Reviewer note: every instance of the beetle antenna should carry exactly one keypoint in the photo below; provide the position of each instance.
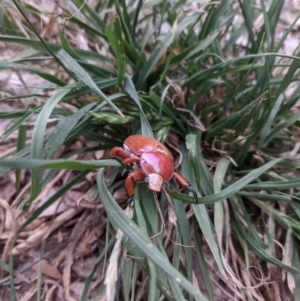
(189, 189)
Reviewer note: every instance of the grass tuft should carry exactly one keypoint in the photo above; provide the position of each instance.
(212, 80)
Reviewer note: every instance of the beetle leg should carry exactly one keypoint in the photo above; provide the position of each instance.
(119, 154)
(130, 160)
(181, 179)
(186, 184)
(189, 189)
(129, 184)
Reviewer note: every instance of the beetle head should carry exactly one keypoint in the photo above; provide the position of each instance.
(155, 181)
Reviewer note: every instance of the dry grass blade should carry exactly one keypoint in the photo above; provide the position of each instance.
(112, 273)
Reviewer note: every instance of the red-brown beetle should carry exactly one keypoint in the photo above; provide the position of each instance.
(154, 160)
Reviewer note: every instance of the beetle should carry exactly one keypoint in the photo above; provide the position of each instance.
(155, 162)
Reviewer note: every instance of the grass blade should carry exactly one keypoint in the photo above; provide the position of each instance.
(114, 36)
(38, 135)
(138, 237)
(130, 89)
(230, 190)
(84, 76)
(58, 164)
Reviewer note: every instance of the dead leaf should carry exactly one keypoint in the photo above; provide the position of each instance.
(47, 269)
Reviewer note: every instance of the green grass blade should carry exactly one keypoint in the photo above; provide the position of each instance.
(20, 145)
(135, 234)
(159, 51)
(58, 164)
(202, 175)
(130, 89)
(84, 76)
(127, 281)
(267, 30)
(40, 38)
(295, 263)
(39, 46)
(152, 288)
(121, 59)
(200, 210)
(270, 120)
(135, 19)
(38, 135)
(92, 14)
(18, 123)
(288, 122)
(193, 51)
(125, 19)
(260, 252)
(65, 44)
(202, 262)
(230, 190)
(186, 237)
(249, 17)
(207, 230)
(114, 35)
(45, 75)
(62, 131)
(12, 278)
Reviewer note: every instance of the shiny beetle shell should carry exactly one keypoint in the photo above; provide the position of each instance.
(139, 144)
(159, 163)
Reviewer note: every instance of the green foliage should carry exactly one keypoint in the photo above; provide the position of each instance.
(167, 69)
